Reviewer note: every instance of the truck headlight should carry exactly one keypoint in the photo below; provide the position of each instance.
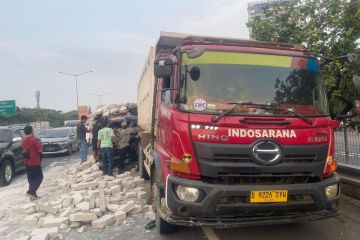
(187, 194)
(331, 191)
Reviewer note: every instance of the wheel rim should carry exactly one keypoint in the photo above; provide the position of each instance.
(8, 173)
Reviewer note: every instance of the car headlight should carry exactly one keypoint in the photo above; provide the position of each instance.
(187, 194)
(331, 191)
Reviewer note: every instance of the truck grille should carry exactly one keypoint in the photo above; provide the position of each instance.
(236, 160)
(268, 179)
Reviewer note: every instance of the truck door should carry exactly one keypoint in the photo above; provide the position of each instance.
(164, 118)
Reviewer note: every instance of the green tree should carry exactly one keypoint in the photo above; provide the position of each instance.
(28, 115)
(330, 28)
(71, 115)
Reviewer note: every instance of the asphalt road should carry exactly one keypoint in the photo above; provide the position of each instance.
(346, 226)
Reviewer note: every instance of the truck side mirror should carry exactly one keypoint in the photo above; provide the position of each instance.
(163, 67)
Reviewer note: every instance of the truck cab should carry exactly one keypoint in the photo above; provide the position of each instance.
(241, 134)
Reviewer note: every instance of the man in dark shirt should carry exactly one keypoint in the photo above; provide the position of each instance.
(81, 131)
(96, 128)
(33, 147)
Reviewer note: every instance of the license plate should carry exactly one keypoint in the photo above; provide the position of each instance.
(268, 196)
(51, 149)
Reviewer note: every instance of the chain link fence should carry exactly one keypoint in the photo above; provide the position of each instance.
(347, 148)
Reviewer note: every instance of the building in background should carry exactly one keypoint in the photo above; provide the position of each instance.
(256, 9)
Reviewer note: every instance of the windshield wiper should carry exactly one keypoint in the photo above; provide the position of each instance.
(260, 106)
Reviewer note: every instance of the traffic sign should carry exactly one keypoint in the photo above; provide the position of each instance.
(7, 108)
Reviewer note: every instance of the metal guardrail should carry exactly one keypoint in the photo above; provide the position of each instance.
(347, 148)
(347, 153)
(350, 179)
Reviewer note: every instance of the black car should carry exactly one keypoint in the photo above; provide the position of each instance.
(11, 159)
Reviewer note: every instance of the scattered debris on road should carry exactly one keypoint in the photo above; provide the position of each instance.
(88, 200)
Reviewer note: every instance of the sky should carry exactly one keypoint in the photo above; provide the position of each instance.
(40, 38)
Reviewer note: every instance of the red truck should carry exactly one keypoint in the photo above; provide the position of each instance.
(235, 132)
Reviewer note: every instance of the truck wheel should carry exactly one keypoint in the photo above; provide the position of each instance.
(162, 226)
(6, 173)
(142, 169)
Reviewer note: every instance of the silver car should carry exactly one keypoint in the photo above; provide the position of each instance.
(59, 140)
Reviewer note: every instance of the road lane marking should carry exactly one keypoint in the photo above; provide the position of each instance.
(209, 233)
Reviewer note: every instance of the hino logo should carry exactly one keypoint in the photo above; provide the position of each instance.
(267, 152)
(213, 137)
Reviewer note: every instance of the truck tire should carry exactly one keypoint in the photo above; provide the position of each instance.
(162, 226)
(142, 169)
(6, 172)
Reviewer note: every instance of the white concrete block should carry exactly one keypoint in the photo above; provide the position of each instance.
(93, 193)
(102, 203)
(97, 211)
(74, 224)
(82, 217)
(109, 178)
(97, 202)
(107, 191)
(131, 195)
(27, 206)
(52, 231)
(116, 182)
(112, 207)
(77, 197)
(115, 189)
(101, 184)
(65, 186)
(48, 209)
(66, 202)
(91, 202)
(136, 209)
(31, 220)
(39, 214)
(30, 211)
(63, 226)
(149, 215)
(120, 216)
(23, 238)
(65, 212)
(55, 203)
(83, 206)
(104, 221)
(55, 222)
(83, 185)
(43, 236)
(92, 176)
(127, 207)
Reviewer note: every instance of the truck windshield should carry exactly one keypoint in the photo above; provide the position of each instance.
(287, 82)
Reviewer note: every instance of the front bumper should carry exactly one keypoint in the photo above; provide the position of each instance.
(213, 209)
(55, 149)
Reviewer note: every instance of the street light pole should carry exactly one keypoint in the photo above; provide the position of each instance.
(100, 95)
(76, 86)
